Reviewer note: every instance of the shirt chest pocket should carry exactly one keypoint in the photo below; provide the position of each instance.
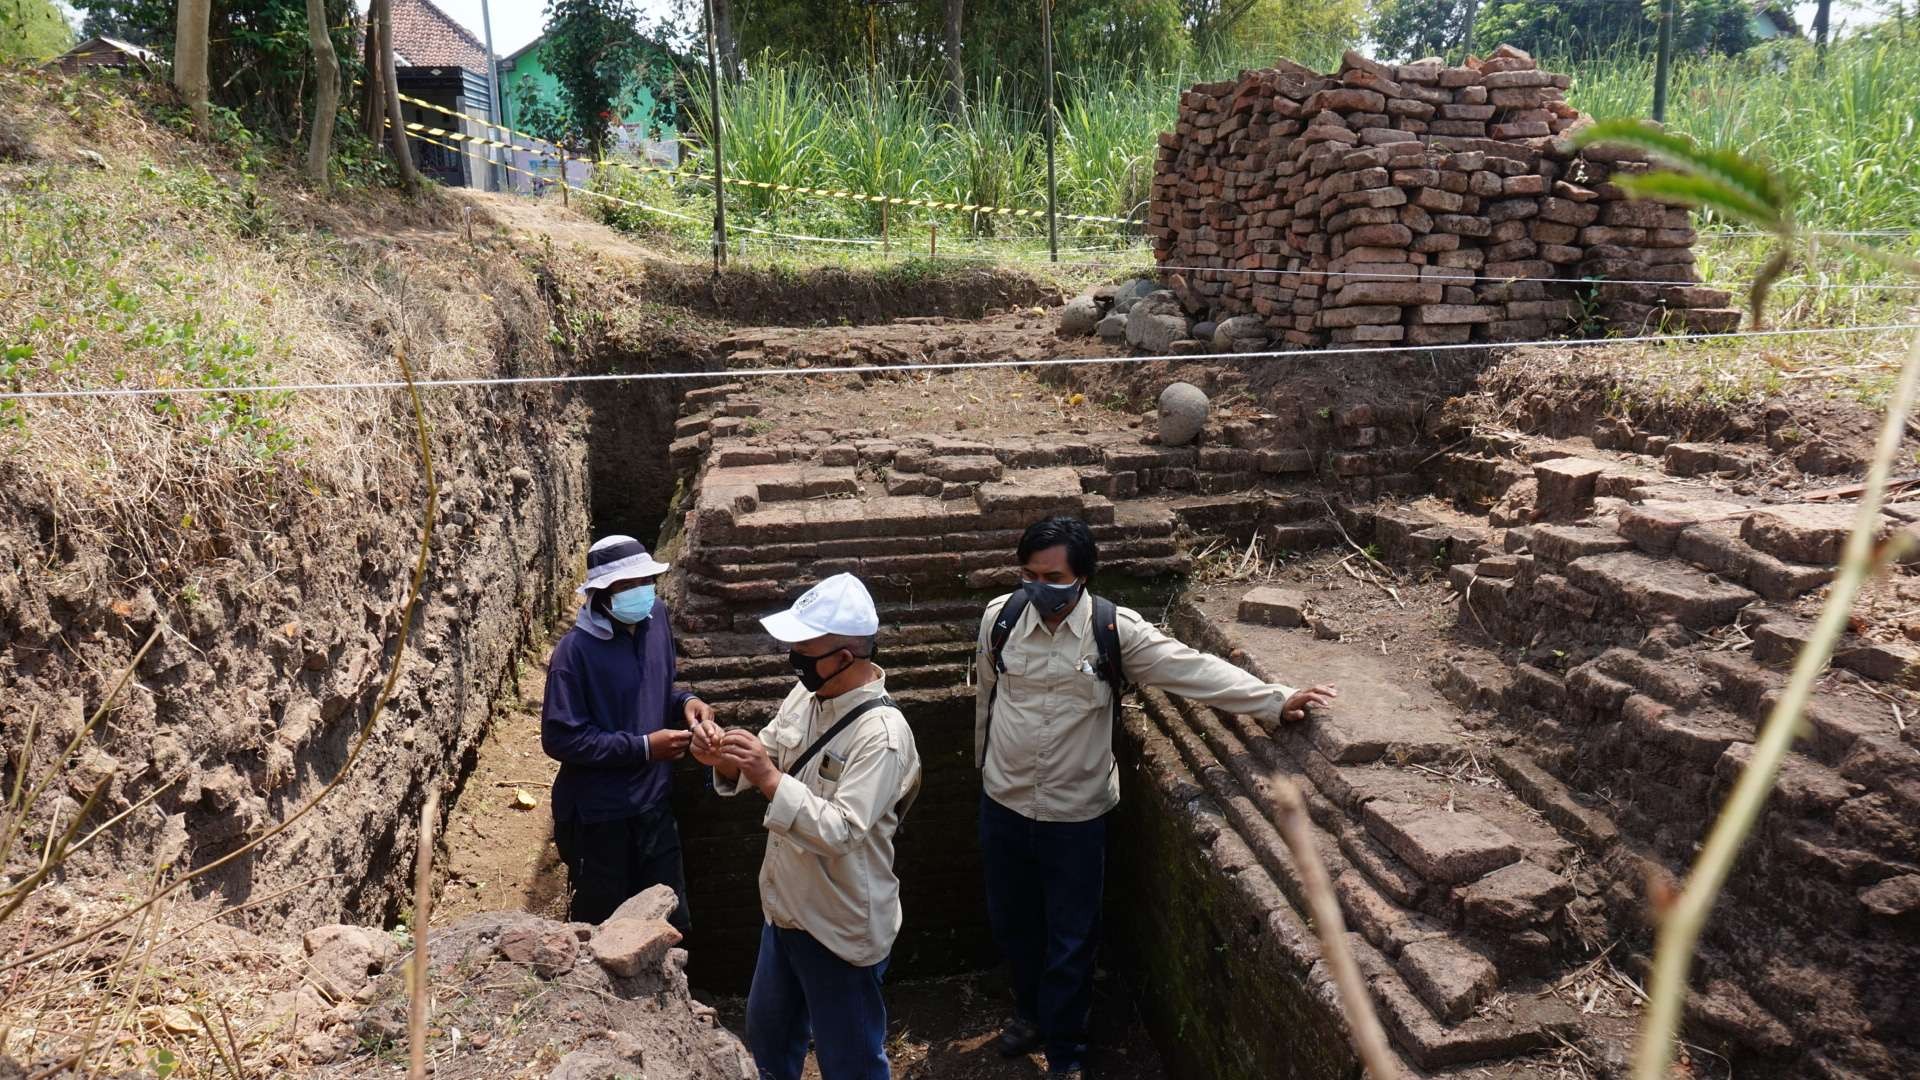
(826, 779)
(1040, 680)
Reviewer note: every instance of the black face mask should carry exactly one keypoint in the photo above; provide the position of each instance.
(808, 668)
(1051, 599)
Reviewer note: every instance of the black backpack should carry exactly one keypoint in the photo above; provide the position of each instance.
(1106, 642)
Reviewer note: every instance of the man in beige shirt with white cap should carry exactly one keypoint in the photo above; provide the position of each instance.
(1053, 662)
(838, 768)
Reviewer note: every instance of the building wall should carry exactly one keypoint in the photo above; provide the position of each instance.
(529, 79)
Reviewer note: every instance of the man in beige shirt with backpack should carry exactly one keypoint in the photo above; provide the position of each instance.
(1053, 663)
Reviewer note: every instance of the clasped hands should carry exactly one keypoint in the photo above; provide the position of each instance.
(734, 753)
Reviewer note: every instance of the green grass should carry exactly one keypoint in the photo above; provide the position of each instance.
(1848, 133)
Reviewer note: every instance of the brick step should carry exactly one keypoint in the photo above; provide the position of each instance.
(920, 566)
(1719, 547)
(1132, 520)
(697, 671)
(1222, 513)
(901, 623)
(1837, 727)
(1427, 979)
(887, 516)
(1451, 979)
(1779, 637)
(1656, 590)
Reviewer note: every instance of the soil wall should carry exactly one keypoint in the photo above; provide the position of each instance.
(269, 660)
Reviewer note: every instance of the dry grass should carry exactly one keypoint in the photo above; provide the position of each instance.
(132, 259)
(162, 265)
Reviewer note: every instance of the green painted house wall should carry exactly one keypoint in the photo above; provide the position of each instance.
(524, 77)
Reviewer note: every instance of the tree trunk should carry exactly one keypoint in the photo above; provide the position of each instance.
(190, 59)
(326, 94)
(724, 41)
(396, 117)
(373, 92)
(1821, 22)
(956, 75)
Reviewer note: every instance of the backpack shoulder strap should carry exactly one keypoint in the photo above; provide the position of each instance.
(1003, 625)
(1106, 642)
(841, 725)
(997, 635)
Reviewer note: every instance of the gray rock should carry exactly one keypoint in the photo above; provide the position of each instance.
(629, 947)
(1204, 330)
(1078, 317)
(547, 948)
(1113, 328)
(1237, 329)
(654, 902)
(343, 959)
(1160, 302)
(1183, 413)
(1155, 333)
(1132, 293)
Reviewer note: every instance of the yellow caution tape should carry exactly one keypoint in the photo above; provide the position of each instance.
(798, 189)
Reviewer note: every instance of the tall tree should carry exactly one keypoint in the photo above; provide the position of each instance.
(389, 75)
(597, 52)
(32, 30)
(326, 96)
(1411, 29)
(726, 42)
(190, 60)
(954, 12)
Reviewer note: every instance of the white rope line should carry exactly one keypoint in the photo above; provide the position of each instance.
(1450, 279)
(875, 369)
(1745, 235)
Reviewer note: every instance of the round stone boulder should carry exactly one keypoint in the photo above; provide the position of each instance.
(1079, 316)
(1239, 328)
(1183, 412)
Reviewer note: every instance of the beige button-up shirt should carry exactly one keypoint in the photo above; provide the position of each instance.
(1050, 754)
(829, 863)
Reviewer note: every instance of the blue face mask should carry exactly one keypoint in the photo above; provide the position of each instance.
(632, 605)
(1051, 599)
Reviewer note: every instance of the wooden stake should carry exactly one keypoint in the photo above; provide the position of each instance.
(933, 239)
(422, 911)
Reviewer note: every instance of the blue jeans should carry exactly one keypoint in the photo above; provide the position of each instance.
(800, 986)
(1044, 882)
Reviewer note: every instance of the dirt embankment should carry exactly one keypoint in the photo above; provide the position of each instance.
(262, 541)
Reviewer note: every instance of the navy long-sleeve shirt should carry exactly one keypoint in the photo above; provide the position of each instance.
(604, 696)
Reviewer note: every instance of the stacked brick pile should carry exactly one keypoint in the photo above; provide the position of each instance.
(1392, 203)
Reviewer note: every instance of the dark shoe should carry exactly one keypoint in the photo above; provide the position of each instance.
(1017, 1038)
(1070, 1074)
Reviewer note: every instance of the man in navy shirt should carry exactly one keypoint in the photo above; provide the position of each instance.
(615, 723)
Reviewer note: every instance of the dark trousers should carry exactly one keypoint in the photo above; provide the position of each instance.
(1044, 882)
(609, 862)
(799, 988)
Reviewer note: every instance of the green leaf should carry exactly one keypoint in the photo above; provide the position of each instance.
(1731, 169)
(1685, 189)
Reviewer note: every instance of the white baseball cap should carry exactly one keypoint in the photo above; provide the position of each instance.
(839, 605)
